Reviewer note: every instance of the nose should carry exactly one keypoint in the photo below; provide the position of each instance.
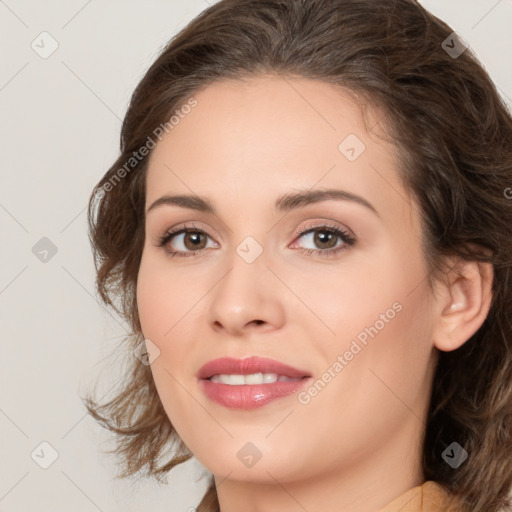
(249, 297)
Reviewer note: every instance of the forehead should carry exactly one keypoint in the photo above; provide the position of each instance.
(254, 112)
(271, 133)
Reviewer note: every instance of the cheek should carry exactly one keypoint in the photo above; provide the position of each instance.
(378, 314)
(384, 337)
(150, 290)
(163, 300)
(164, 296)
(343, 300)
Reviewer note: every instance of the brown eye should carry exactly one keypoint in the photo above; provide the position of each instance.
(325, 239)
(192, 240)
(184, 242)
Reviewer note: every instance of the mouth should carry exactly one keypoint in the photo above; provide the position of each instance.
(249, 370)
(252, 378)
(249, 383)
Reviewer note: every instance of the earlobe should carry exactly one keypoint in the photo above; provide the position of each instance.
(463, 304)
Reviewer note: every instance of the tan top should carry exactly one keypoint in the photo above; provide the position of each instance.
(428, 497)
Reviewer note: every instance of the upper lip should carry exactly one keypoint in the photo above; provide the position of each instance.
(248, 365)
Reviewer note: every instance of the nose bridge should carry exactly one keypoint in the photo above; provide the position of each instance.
(246, 274)
(247, 292)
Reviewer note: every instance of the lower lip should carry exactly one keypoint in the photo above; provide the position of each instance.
(247, 396)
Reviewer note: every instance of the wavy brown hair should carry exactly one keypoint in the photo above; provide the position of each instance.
(453, 133)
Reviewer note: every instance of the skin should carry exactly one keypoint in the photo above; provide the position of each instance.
(356, 445)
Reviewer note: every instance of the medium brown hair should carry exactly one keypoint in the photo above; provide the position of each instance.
(454, 137)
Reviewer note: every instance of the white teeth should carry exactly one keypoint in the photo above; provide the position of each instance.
(252, 378)
(234, 380)
(255, 378)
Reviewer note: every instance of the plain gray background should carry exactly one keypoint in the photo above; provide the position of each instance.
(61, 118)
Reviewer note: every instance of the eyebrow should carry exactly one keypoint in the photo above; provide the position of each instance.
(285, 203)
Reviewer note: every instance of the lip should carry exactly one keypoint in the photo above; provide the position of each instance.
(249, 396)
(248, 365)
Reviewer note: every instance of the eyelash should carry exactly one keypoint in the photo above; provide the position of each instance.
(347, 239)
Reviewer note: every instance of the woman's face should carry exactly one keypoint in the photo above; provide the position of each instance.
(351, 312)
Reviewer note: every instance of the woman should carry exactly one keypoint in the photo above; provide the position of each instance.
(308, 227)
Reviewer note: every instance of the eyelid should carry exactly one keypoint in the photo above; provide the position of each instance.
(344, 234)
(182, 226)
(324, 223)
(300, 231)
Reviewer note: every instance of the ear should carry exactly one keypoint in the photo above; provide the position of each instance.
(462, 302)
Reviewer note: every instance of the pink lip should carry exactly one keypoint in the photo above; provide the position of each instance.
(229, 365)
(249, 396)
